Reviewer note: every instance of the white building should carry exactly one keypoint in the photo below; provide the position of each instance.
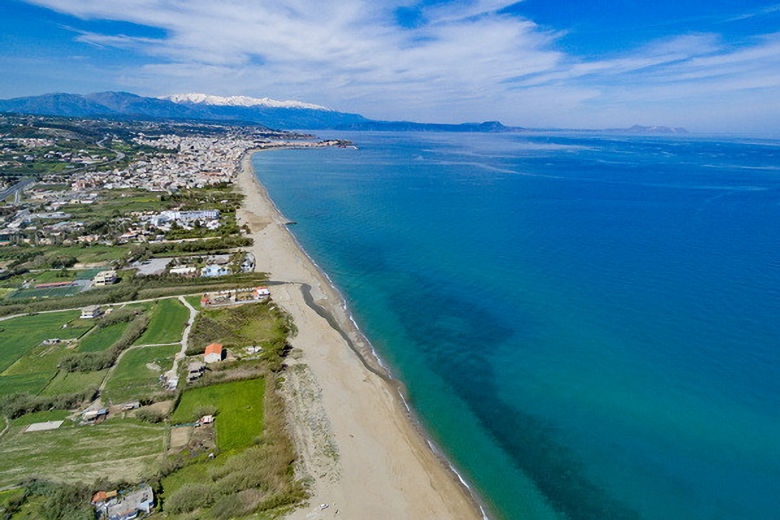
(91, 312)
(104, 278)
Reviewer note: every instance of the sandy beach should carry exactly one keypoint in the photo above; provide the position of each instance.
(364, 455)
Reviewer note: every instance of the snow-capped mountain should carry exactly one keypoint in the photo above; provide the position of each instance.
(240, 101)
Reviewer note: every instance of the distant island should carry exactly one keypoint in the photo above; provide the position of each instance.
(268, 112)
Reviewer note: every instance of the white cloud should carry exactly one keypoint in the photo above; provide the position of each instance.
(467, 62)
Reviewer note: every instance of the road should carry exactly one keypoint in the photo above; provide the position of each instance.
(12, 190)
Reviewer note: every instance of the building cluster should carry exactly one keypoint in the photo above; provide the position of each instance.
(16, 151)
(208, 218)
(235, 297)
(184, 162)
(125, 504)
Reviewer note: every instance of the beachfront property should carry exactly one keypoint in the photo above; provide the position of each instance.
(214, 353)
(125, 505)
(104, 278)
(91, 312)
(235, 297)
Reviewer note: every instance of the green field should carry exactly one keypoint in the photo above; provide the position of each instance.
(168, 318)
(43, 358)
(51, 292)
(194, 301)
(35, 417)
(115, 201)
(84, 453)
(25, 365)
(31, 372)
(89, 254)
(100, 339)
(73, 382)
(30, 383)
(137, 373)
(239, 410)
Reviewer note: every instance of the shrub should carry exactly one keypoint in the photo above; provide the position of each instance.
(230, 506)
(16, 405)
(206, 409)
(188, 498)
(150, 416)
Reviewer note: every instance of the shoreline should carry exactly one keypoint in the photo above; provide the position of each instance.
(429, 486)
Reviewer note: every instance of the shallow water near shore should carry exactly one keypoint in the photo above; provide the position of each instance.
(587, 325)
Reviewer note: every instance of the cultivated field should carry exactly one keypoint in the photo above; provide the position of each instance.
(71, 453)
(239, 407)
(100, 339)
(168, 318)
(137, 374)
(72, 382)
(25, 364)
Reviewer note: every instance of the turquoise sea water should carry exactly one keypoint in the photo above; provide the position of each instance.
(589, 326)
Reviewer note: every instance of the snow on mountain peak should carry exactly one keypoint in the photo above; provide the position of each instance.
(240, 101)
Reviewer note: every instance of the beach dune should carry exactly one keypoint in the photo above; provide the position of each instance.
(364, 454)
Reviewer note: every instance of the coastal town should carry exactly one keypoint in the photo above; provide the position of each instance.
(133, 316)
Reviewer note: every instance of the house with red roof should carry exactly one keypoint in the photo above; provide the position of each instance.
(214, 353)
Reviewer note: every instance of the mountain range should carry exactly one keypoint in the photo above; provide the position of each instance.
(265, 111)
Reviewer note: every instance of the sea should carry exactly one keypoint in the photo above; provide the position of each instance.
(587, 325)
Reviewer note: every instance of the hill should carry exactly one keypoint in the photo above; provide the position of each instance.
(265, 111)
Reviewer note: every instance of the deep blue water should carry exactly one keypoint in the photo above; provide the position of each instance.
(589, 326)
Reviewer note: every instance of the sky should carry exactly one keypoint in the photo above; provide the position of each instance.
(705, 65)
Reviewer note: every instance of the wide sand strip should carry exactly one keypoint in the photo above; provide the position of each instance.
(366, 456)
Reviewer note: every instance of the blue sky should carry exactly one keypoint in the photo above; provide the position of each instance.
(710, 66)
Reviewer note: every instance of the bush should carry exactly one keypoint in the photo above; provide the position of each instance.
(206, 409)
(188, 498)
(149, 416)
(16, 405)
(226, 507)
(60, 501)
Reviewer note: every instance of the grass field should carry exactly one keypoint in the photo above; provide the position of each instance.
(123, 203)
(138, 371)
(43, 358)
(85, 453)
(72, 382)
(30, 383)
(100, 339)
(168, 318)
(194, 301)
(52, 292)
(33, 371)
(24, 365)
(35, 417)
(239, 410)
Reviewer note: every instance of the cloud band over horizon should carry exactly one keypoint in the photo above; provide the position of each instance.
(463, 60)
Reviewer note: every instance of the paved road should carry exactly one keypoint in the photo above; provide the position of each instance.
(12, 190)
